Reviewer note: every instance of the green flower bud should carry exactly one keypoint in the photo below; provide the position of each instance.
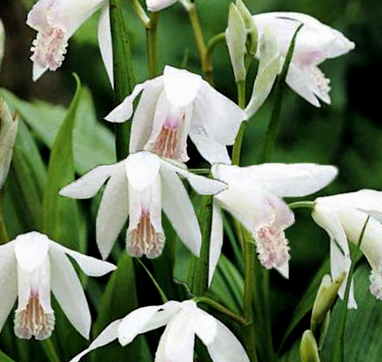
(325, 298)
(236, 36)
(252, 37)
(308, 348)
(8, 132)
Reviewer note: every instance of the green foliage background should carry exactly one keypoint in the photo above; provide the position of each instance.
(347, 134)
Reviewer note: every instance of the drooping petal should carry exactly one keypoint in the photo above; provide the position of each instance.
(226, 347)
(88, 185)
(204, 325)
(181, 86)
(8, 281)
(31, 250)
(216, 242)
(284, 180)
(202, 185)
(108, 335)
(89, 265)
(331, 223)
(178, 208)
(68, 291)
(142, 124)
(180, 339)
(211, 150)
(105, 42)
(113, 211)
(145, 319)
(124, 111)
(157, 5)
(217, 115)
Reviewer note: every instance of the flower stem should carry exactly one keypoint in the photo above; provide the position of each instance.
(151, 33)
(236, 152)
(124, 79)
(3, 230)
(141, 13)
(50, 351)
(221, 309)
(302, 205)
(214, 41)
(201, 46)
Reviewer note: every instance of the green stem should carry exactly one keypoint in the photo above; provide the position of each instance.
(152, 49)
(236, 152)
(214, 41)
(249, 281)
(124, 79)
(221, 309)
(50, 351)
(200, 171)
(140, 12)
(302, 205)
(198, 34)
(3, 230)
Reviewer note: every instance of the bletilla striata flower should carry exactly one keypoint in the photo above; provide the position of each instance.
(183, 321)
(8, 133)
(31, 266)
(253, 197)
(177, 105)
(315, 43)
(56, 21)
(2, 41)
(139, 188)
(343, 216)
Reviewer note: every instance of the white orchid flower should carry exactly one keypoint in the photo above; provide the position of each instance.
(31, 266)
(315, 43)
(253, 197)
(183, 321)
(56, 21)
(343, 216)
(140, 187)
(177, 105)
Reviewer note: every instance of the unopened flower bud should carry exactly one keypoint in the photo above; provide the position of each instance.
(236, 37)
(308, 348)
(252, 37)
(325, 298)
(8, 132)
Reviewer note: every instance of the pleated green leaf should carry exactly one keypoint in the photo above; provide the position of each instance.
(5, 358)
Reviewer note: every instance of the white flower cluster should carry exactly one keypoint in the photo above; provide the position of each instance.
(172, 108)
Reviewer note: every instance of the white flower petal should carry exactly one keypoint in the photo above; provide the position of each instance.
(8, 281)
(205, 326)
(217, 115)
(31, 250)
(142, 169)
(142, 124)
(330, 222)
(144, 320)
(180, 338)
(88, 185)
(181, 86)
(68, 291)
(178, 208)
(284, 180)
(216, 242)
(124, 111)
(113, 211)
(108, 335)
(202, 185)
(226, 347)
(89, 265)
(211, 150)
(284, 269)
(105, 42)
(157, 5)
